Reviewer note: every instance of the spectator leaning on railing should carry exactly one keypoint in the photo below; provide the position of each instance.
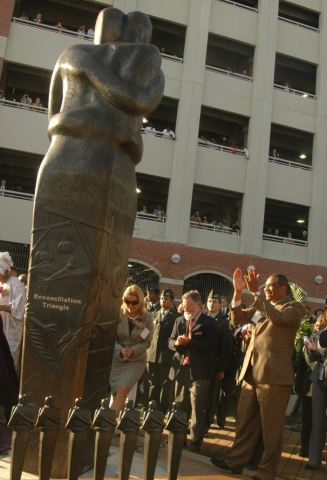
(169, 133)
(195, 218)
(26, 100)
(37, 19)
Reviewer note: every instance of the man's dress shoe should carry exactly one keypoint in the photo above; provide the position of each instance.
(222, 464)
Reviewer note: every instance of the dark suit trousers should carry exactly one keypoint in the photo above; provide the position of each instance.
(318, 433)
(261, 407)
(192, 391)
(160, 385)
(306, 422)
(225, 394)
(212, 401)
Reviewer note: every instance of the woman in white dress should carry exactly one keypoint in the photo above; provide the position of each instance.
(12, 306)
(134, 336)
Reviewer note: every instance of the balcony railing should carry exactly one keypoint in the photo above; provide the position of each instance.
(228, 73)
(288, 163)
(23, 106)
(298, 24)
(222, 148)
(70, 33)
(294, 92)
(215, 228)
(286, 240)
(20, 195)
(150, 216)
(157, 133)
(172, 58)
(239, 5)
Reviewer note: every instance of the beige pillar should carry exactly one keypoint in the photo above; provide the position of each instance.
(253, 207)
(317, 233)
(187, 125)
(125, 6)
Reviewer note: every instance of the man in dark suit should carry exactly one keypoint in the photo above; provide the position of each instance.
(267, 371)
(152, 298)
(193, 337)
(229, 380)
(303, 388)
(221, 354)
(159, 355)
(224, 309)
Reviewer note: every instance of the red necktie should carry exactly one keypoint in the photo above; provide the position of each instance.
(189, 336)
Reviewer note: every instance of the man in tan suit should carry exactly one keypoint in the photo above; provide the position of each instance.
(267, 371)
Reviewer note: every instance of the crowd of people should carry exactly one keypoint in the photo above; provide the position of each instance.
(197, 354)
(231, 147)
(150, 130)
(38, 20)
(275, 236)
(220, 225)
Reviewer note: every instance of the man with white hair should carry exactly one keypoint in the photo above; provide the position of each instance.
(12, 305)
(193, 338)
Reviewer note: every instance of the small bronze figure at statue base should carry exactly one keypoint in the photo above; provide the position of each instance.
(48, 421)
(153, 425)
(104, 423)
(129, 424)
(21, 421)
(177, 426)
(79, 423)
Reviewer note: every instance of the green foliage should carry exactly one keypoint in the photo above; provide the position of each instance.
(296, 293)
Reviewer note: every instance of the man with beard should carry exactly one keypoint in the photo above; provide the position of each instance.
(193, 337)
(267, 371)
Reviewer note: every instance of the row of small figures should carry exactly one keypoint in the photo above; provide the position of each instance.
(79, 423)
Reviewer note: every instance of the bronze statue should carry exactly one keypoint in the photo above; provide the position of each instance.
(84, 215)
(48, 421)
(129, 424)
(104, 423)
(153, 425)
(79, 423)
(22, 420)
(177, 426)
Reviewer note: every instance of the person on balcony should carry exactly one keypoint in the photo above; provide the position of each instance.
(149, 129)
(81, 30)
(304, 236)
(3, 186)
(275, 154)
(59, 26)
(2, 97)
(196, 220)
(169, 133)
(159, 212)
(144, 213)
(26, 99)
(289, 239)
(37, 103)
(37, 19)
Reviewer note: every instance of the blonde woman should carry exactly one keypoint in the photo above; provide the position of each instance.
(134, 336)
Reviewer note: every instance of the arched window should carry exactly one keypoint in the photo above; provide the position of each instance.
(140, 275)
(205, 282)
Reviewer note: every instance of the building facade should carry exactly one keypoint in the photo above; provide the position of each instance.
(249, 79)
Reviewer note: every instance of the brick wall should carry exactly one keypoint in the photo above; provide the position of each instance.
(194, 259)
(7, 8)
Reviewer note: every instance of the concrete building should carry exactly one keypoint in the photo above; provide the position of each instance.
(248, 77)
